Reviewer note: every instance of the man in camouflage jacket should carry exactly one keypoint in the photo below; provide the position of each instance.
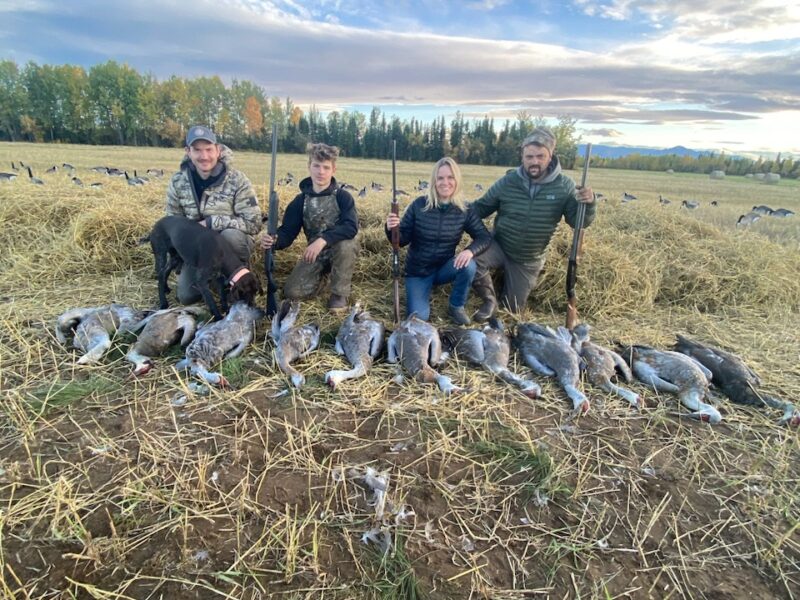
(207, 189)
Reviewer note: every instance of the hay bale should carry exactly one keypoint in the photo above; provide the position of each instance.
(772, 178)
(759, 176)
(748, 176)
(670, 171)
(717, 174)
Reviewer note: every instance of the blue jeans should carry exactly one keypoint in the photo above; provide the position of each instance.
(418, 289)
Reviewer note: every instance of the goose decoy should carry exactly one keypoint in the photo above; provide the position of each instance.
(155, 172)
(159, 332)
(748, 219)
(292, 342)
(488, 348)
(422, 185)
(77, 181)
(715, 203)
(478, 187)
(551, 355)
(96, 185)
(51, 170)
(114, 172)
(8, 176)
(92, 328)
(376, 186)
(348, 187)
(626, 197)
(735, 379)
(415, 346)
(600, 197)
(360, 339)
(663, 201)
(601, 364)
(690, 204)
(782, 213)
(401, 193)
(33, 179)
(363, 192)
(763, 209)
(141, 178)
(103, 170)
(135, 181)
(219, 340)
(676, 373)
(67, 166)
(14, 167)
(290, 175)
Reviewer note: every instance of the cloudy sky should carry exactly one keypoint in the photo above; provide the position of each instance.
(709, 74)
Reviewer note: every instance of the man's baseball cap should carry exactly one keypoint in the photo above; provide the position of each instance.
(200, 132)
(541, 136)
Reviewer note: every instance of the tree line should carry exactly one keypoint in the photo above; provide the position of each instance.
(112, 103)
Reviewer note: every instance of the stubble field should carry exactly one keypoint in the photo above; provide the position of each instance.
(110, 488)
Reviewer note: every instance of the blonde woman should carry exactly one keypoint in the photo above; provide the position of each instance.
(432, 227)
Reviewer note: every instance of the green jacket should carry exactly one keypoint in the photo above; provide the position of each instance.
(528, 212)
(231, 203)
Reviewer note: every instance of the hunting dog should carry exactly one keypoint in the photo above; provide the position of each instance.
(190, 244)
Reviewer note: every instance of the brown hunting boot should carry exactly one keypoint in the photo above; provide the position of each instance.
(484, 289)
(458, 315)
(337, 303)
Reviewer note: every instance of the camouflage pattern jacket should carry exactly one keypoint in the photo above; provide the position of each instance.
(230, 203)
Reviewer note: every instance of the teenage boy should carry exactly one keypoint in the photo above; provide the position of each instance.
(327, 215)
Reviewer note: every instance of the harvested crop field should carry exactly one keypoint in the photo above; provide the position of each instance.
(115, 487)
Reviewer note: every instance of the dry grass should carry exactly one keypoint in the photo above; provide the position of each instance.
(108, 490)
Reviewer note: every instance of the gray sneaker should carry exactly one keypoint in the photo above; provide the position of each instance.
(458, 315)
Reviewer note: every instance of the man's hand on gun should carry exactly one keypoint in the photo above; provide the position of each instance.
(584, 194)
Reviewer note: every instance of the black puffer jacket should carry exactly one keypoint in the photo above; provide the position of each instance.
(434, 234)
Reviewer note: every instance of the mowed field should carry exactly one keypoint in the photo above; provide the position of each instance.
(114, 487)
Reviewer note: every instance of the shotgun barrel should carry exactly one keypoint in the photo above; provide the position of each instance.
(575, 250)
(272, 228)
(395, 237)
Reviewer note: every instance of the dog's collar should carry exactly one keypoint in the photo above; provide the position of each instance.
(238, 275)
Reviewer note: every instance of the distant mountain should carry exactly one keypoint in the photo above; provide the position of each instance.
(603, 151)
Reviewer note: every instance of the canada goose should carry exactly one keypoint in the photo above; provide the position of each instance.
(92, 328)
(67, 166)
(53, 169)
(599, 196)
(550, 354)
(672, 372)
(8, 176)
(735, 379)
(360, 339)
(159, 332)
(363, 192)
(77, 181)
(626, 197)
(103, 170)
(141, 178)
(155, 172)
(690, 204)
(478, 187)
(782, 213)
(602, 364)
(14, 167)
(376, 186)
(219, 340)
(714, 203)
(290, 175)
(135, 181)
(33, 179)
(292, 341)
(490, 349)
(748, 219)
(422, 185)
(663, 200)
(415, 346)
(348, 187)
(114, 172)
(763, 209)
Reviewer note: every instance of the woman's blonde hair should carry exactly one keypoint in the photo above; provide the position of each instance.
(433, 196)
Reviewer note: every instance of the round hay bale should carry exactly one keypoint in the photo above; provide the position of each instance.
(717, 174)
(772, 178)
(759, 176)
(671, 171)
(748, 176)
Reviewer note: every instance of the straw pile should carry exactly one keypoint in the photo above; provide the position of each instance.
(130, 489)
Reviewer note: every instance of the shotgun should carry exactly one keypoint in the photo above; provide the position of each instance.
(272, 228)
(395, 237)
(575, 251)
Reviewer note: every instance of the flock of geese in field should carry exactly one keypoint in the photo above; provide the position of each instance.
(418, 350)
(71, 171)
